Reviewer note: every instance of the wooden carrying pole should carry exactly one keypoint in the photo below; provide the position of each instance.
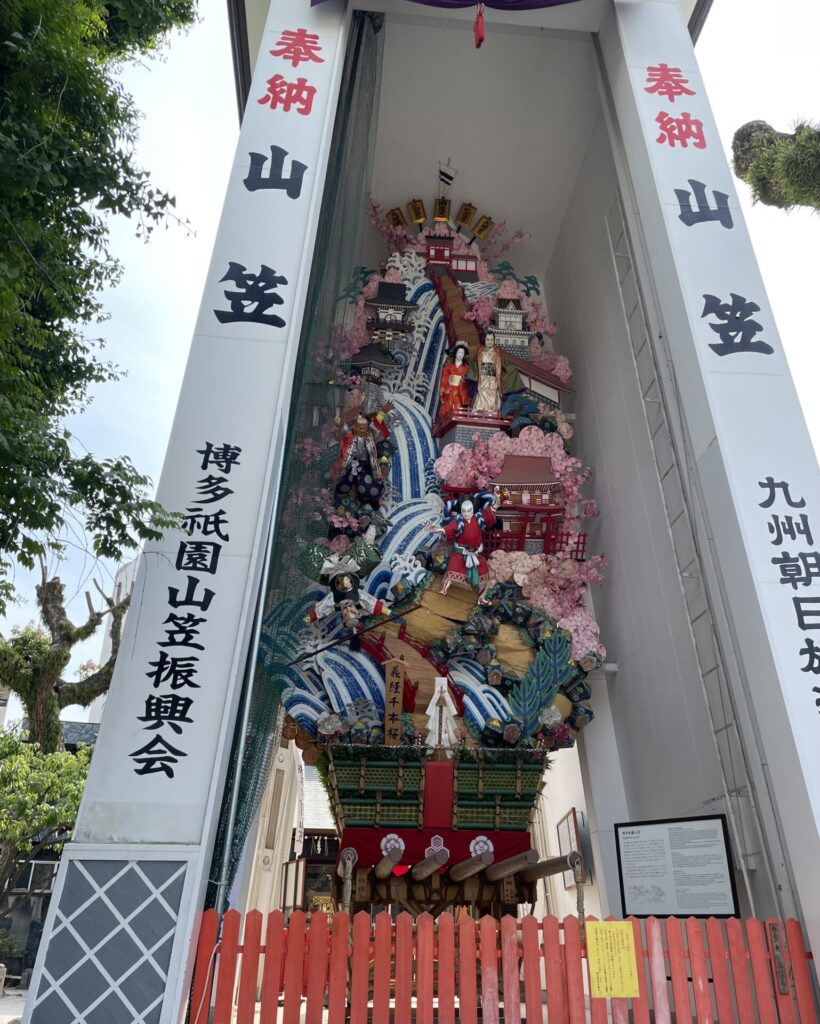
(429, 865)
(471, 866)
(551, 866)
(511, 866)
(385, 866)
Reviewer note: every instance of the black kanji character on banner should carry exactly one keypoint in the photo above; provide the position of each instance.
(157, 756)
(255, 295)
(786, 526)
(211, 489)
(275, 178)
(169, 708)
(666, 81)
(703, 212)
(177, 672)
(800, 569)
(198, 556)
(299, 46)
(737, 329)
(207, 523)
(182, 632)
(223, 456)
(804, 612)
(816, 689)
(812, 653)
(772, 486)
(189, 601)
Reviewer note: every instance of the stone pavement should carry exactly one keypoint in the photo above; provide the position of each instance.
(11, 1005)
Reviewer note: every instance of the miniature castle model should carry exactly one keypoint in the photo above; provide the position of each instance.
(511, 333)
(392, 321)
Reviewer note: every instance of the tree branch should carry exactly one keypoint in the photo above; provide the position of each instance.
(85, 691)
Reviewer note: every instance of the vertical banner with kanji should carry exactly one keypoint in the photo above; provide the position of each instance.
(393, 697)
(755, 467)
(131, 885)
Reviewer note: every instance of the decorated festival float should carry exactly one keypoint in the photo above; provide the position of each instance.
(444, 633)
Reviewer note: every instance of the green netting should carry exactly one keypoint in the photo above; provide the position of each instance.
(308, 448)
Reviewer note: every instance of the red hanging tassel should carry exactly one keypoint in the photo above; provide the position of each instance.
(478, 27)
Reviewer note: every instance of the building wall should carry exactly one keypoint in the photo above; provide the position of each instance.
(662, 731)
(260, 888)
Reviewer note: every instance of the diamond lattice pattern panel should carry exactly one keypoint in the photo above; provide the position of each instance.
(107, 961)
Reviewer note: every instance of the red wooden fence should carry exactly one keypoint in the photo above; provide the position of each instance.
(423, 970)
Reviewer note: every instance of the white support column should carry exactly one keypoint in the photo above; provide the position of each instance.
(750, 451)
(604, 791)
(118, 942)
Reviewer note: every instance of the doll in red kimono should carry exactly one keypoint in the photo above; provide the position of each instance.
(464, 526)
(454, 392)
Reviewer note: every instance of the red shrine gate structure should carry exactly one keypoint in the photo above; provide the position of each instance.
(396, 545)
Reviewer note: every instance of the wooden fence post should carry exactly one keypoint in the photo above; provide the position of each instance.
(204, 968)
(467, 996)
(226, 977)
(360, 968)
(446, 970)
(249, 969)
(487, 928)
(317, 969)
(404, 968)
(556, 982)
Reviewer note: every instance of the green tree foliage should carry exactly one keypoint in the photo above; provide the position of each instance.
(39, 797)
(67, 132)
(782, 170)
(33, 660)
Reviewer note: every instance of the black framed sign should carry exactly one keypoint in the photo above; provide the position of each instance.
(676, 867)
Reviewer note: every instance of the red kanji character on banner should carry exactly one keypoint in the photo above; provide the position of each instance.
(666, 81)
(298, 46)
(289, 94)
(680, 130)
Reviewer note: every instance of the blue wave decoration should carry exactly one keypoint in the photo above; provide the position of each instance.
(350, 675)
(481, 701)
(415, 447)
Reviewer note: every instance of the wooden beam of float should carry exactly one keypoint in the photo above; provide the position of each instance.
(511, 866)
(471, 866)
(429, 865)
(347, 861)
(385, 866)
(552, 866)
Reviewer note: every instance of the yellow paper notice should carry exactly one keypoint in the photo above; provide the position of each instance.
(613, 967)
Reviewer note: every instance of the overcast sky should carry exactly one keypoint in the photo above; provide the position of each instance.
(758, 60)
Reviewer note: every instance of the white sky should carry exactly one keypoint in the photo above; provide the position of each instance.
(758, 59)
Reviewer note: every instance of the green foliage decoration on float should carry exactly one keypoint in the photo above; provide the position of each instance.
(551, 669)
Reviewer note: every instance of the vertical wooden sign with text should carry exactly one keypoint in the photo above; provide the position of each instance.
(393, 697)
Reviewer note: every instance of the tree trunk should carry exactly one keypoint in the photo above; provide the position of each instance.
(44, 721)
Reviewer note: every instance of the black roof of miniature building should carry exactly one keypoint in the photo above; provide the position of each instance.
(373, 355)
(393, 294)
(509, 304)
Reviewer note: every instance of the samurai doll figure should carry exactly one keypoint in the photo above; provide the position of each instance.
(463, 526)
(358, 471)
(343, 574)
(454, 392)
